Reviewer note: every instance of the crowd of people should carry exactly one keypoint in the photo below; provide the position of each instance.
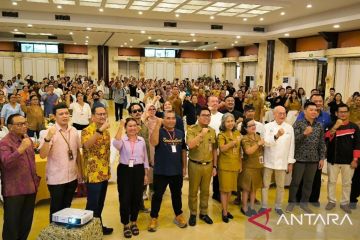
(233, 137)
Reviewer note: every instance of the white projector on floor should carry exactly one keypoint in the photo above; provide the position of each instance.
(73, 216)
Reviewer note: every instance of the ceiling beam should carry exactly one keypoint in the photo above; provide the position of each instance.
(331, 38)
(290, 43)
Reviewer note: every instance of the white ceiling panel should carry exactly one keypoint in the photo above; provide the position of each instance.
(223, 4)
(90, 4)
(39, 1)
(142, 3)
(117, 1)
(206, 12)
(269, 8)
(139, 7)
(236, 10)
(168, 5)
(64, 2)
(158, 9)
(195, 7)
(257, 12)
(247, 6)
(214, 9)
(119, 6)
(181, 10)
(245, 15)
(227, 14)
(200, 3)
(173, 1)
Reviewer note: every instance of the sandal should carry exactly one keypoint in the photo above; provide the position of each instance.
(127, 232)
(134, 229)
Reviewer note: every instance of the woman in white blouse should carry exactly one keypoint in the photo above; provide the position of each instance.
(81, 112)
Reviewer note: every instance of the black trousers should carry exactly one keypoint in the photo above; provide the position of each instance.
(302, 172)
(316, 188)
(355, 186)
(18, 216)
(96, 193)
(119, 111)
(160, 184)
(130, 181)
(61, 196)
(216, 187)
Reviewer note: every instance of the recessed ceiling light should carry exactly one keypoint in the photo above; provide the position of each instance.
(125, 43)
(89, 28)
(15, 30)
(130, 46)
(194, 40)
(261, 19)
(75, 43)
(282, 13)
(203, 49)
(140, 12)
(238, 37)
(236, 42)
(87, 37)
(29, 25)
(121, 45)
(131, 39)
(59, 6)
(212, 17)
(149, 37)
(177, 15)
(86, 43)
(336, 26)
(244, 19)
(215, 47)
(286, 34)
(192, 34)
(142, 32)
(232, 44)
(101, 9)
(14, 3)
(309, 6)
(71, 33)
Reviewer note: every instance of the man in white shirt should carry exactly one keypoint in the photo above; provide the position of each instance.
(57, 90)
(278, 156)
(213, 104)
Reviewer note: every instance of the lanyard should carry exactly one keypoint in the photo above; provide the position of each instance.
(132, 146)
(171, 137)
(67, 142)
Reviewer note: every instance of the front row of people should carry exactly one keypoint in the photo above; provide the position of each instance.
(243, 153)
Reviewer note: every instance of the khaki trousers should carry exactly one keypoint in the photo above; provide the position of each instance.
(280, 182)
(346, 175)
(199, 178)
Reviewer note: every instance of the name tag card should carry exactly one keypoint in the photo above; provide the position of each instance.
(131, 163)
(173, 148)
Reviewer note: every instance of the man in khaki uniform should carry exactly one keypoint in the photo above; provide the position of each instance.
(201, 140)
(258, 103)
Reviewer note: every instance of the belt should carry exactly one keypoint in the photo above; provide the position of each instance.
(200, 163)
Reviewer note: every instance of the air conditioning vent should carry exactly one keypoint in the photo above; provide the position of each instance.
(62, 17)
(217, 27)
(170, 24)
(259, 29)
(10, 14)
(52, 37)
(153, 43)
(175, 44)
(19, 36)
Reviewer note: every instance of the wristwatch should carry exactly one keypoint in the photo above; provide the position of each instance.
(275, 137)
(99, 131)
(47, 140)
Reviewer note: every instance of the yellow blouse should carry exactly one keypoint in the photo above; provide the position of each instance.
(252, 160)
(229, 160)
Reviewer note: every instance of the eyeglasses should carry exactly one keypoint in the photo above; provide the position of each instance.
(22, 124)
(136, 111)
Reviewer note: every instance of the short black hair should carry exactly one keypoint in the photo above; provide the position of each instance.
(342, 105)
(244, 126)
(315, 95)
(10, 119)
(59, 106)
(93, 109)
(332, 89)
(135, 104)
(228, 96)
(307, 104)
(203, 109)
(288, 87)
(248, 108)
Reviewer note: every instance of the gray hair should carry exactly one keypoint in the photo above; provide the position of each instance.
(222, 127)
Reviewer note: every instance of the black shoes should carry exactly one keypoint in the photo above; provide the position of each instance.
(206, 219)
(107, 231)
(192, 220)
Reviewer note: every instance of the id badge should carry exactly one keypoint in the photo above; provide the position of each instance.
(261, 159)
(173, 148)
(131, 162)
(70, 154)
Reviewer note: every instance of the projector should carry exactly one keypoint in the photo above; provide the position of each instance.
(72, 216)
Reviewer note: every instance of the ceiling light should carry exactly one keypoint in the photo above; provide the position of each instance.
(238, 37)
(15, 30)
(286, 34)
(236, 42)
(14, 3)
(121, 45)
(131, 39)
(192, 34)
(261, 19)
(29, 25)
(130, 46)
(87, 37)
(336, 26)
(282, 13)
(232, 44)
(75, 43)
(244, 19)
(194, 40)
(142, 32)
(101, 9)
(203, 49)
(149, 37)
(125, 44)
(177, 15)
(140, 12)
(86, 43)
(215, 47)
(71, 33)
(309, 6)
(89, 28)
(212, 17)
(59, 6)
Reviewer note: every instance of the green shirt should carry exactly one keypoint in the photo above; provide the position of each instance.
(203, 152)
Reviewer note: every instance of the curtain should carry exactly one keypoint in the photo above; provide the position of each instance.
(230, 72)
(305, 72)
(347, 74)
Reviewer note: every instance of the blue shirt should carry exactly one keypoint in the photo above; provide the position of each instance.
(167, 162)
(49, 103)
(8, 110)
(324, 119)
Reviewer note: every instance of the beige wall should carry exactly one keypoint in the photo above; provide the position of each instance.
(261, 66)
(93, 62)
(282, 65)
(113, 65)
